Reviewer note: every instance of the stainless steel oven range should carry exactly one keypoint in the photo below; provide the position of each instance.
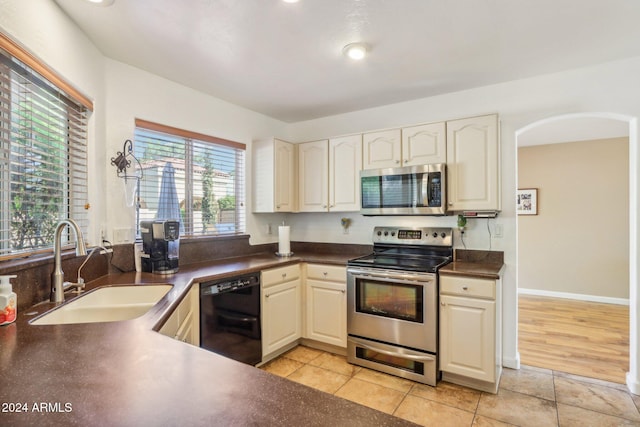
(392, 302)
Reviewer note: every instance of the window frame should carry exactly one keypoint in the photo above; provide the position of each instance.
(191, 138)
(36, 72)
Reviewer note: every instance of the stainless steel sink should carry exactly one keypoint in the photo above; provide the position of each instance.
(107, 304)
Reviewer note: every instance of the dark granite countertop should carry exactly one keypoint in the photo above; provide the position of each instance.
(475, 263)
(125, 373)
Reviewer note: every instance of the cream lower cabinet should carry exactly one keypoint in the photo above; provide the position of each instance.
(184, 322)
(326, 304)
(281, 296)
(470, 337)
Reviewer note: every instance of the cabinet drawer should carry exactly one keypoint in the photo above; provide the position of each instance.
(468, 286)
(333, 273)
(279, 275)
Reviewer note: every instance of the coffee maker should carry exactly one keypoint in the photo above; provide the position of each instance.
(160, 246)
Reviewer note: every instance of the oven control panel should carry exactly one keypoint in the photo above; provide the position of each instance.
(432, 236)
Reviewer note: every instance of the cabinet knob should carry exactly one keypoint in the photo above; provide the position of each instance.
(465, 288)
(324, 273)
(284, 275)
(324, 206)
(267, 295)
(442, 304)
(342, 290)
(397, 161)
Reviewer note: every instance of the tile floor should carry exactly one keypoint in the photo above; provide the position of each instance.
(527, 397)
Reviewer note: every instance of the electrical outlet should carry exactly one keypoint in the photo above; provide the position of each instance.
(121, 235)
(499, 230)
(269, 229)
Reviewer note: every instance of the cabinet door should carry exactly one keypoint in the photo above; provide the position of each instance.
(281, 316)
(473, 165)
(424, 144)
(313, 176)
(284, 176)
(467, 337)
(327, 312)
(382, 149)
(184, 322)
(345, 163)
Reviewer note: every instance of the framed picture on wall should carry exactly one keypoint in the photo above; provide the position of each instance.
(527, 201)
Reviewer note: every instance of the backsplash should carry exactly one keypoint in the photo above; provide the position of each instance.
(33, 284)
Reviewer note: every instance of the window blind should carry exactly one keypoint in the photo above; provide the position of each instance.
(200, 177)
(43, 157)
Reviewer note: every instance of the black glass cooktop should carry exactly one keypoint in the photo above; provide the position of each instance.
(397, 260)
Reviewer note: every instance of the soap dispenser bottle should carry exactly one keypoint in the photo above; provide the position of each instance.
(8, 301)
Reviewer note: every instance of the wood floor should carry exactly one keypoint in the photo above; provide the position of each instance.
(578, 337)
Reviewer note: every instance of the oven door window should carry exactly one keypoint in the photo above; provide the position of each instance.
(389, 299)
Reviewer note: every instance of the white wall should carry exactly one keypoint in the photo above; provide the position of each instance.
(577, 245)
(132, 93)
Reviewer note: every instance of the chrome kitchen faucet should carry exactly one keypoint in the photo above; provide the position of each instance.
(57, 282)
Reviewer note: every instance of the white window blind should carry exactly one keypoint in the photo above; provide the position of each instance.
(43, 157)
(194, 178)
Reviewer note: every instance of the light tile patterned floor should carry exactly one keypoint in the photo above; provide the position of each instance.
(527, 397)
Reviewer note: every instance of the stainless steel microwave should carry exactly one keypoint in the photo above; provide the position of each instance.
(412, 190)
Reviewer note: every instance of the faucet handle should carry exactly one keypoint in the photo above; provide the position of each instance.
(75, 287)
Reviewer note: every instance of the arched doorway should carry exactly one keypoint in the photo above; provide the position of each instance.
(583, 123)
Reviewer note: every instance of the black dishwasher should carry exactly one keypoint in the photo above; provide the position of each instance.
(230, 318)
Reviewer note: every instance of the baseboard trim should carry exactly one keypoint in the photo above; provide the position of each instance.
(567, 295)
(511, 362)
(632, 384)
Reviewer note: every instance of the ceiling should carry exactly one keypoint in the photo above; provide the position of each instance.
(285, 60)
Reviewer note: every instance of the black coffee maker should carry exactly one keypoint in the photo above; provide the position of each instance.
(160, 246)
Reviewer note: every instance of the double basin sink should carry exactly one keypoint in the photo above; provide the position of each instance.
(106, 304)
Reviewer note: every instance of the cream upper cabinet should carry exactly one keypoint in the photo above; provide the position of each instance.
(473, 164)
(382, 149)
(345, 164)
(274, 176)
(329, 176)
(424, 144)
(313, 177)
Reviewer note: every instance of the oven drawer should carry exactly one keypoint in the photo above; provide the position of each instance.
(279, 275)
(468, 286)
(332, 273)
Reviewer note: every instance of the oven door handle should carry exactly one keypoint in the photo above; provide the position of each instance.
(404, 277)
(394, 353)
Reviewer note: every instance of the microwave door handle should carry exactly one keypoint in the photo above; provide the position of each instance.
(395, 354)
(425, 189)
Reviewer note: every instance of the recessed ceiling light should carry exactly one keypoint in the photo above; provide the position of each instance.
(291, 1)
(101, 2)
(355, 51)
